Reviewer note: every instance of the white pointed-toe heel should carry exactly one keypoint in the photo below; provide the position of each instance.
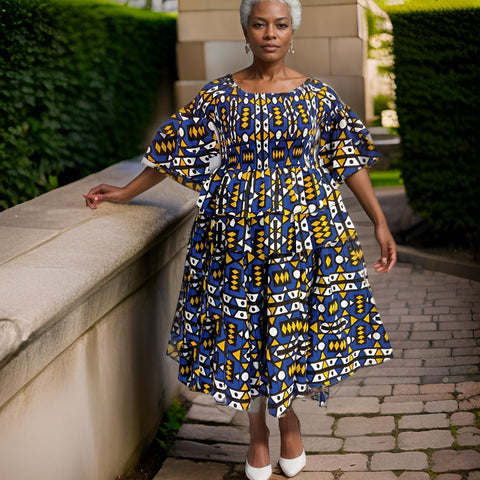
(293, 466)
(254, 473)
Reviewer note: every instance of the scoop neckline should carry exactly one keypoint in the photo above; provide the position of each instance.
(240, 89)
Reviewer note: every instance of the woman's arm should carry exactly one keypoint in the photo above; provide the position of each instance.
(360, 184)
(108, 193)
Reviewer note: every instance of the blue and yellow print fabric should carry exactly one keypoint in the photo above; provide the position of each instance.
(275, 299)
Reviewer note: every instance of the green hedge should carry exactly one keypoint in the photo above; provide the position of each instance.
(78, 86)
(437, 71)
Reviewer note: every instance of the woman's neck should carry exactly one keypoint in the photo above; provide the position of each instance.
(268, 78)
(267, 72)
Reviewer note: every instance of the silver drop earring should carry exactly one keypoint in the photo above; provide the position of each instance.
(247, 48)
(291, 49)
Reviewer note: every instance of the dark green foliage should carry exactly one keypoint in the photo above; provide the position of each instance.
(171, 423)
(437, 69)
(78, 85)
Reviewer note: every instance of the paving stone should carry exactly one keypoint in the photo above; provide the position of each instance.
(474, 475)
(470, 404)
(457, 343)
(346, 462)
(460, 419)
(213, 414)
(439, 362)
(426, 352)
(452, 460)
(414, 476)
(464, 370)
(308, 476)
(342, 405)
(345, 391)
(307, 406)
(240, 419)
(377, 443)
(388, 380)
(468, 389)
(175, 469)
(415, 318)
(446, 302)
(455, 326)
(405, 362)
(424, 440)
(467, 351)
(463, 334)
(437, 388)
(467, 360)
(357, 426)
(462, 378)
(316, 424)
(322, 444)
(405, 390)
(424, 327)
(448, 476)
(399, 461)
(413, 345)
(211, 433)
(468, 436)
(376, 390)
(368, 476)
(401, 407)
(441, 406)
(202, 451)
(436, 335)
(418, 398)
(205, 400)
(422, 422)
(436, 310)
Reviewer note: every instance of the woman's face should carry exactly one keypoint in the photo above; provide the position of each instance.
(269, 31)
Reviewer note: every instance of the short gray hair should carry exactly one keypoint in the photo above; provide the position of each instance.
(293, 5)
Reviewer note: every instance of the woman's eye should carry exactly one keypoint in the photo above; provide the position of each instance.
(282, 25)
(258, 25)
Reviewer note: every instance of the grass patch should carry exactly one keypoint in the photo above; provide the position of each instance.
(386, 178)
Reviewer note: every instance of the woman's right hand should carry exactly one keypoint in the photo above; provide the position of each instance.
(108, 193)
(105, 193)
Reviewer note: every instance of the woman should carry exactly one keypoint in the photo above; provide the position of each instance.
(275, 301)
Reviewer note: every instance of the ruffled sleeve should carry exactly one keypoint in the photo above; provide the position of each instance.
(345, 143)
(186, 146)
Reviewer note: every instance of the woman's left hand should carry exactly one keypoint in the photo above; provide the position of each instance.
(388, 249)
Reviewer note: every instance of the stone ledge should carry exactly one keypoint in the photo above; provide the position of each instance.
(64, 257)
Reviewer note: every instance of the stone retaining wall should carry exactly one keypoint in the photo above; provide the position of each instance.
(86, 302)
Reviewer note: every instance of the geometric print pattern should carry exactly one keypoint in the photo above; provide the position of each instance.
(275, 299)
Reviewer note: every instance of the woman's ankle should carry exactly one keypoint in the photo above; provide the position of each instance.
(290, 436)
(258, 452)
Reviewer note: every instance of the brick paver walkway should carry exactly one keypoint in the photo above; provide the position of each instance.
(416, 417)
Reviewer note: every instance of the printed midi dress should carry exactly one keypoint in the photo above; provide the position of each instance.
(275, 299)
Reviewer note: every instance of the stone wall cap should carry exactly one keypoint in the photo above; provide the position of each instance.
(71, 250)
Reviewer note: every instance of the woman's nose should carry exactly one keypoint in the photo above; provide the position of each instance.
(270, 32)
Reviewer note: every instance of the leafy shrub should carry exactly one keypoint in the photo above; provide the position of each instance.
(437, 69)
(78, 83)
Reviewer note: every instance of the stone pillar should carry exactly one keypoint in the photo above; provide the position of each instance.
(330, 45)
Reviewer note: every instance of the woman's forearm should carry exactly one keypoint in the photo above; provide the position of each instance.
(145, 180)
(108, 193)
(361, 186)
